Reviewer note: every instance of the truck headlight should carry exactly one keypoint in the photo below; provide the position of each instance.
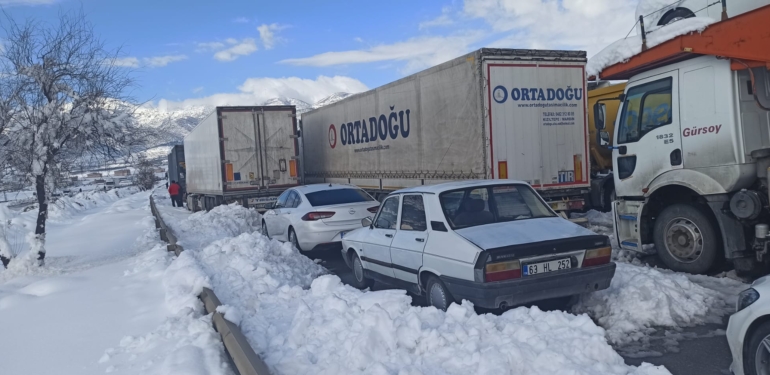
(746, 298)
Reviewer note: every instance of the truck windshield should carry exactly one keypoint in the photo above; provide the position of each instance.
(337, 196)
(491, 204)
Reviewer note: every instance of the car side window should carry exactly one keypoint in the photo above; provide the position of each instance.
(293, 200)
(282, 199)
(413, 214)
(388, 214)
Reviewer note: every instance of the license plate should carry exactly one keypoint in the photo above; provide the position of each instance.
(545, 267)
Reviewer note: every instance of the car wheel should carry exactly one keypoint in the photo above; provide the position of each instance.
(264, 229)
(359, 280)
(686, 239)
(438, 295)
(676, 15)
(293, 239)
(757, 354)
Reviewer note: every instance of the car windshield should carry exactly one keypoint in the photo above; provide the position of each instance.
(491, 204)
(337, 196)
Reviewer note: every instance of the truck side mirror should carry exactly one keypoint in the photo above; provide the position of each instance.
(604, 139)
(366, 222)
(600, 115)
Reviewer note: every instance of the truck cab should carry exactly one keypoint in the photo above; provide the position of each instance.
(690, 154)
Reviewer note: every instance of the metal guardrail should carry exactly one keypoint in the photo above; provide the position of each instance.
(244, 358)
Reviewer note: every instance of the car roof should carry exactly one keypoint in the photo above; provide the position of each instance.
(440, 188)
(306, 189)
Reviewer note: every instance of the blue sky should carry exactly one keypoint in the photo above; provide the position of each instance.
(244, 52)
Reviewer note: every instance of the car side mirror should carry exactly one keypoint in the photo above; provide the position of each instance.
(600, 115)
(604, 139)
(366, 222)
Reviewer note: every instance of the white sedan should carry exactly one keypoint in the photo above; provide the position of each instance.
(748, 331)
(316, 217)
(495, 243)
(659, 13)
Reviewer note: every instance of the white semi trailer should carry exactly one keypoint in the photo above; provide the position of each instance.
(490, 114)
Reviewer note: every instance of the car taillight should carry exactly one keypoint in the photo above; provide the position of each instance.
(595, 257)
(503, 271)
(373, 209)
(313, 216)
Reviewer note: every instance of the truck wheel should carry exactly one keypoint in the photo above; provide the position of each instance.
(293, 239)
(686, 239)
(438, 295)
(359, 280)
(676, 15)
(264, 230)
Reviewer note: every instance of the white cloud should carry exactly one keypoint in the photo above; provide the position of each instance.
(267, 34)
(255, 91)
(575, 24)
(209, 46)
(241, 20)
(159, 61)
(128, 62)
(419, 53)
(152, 62)
(443, 20)
(358, 39)
(243, 48)
(197, 90)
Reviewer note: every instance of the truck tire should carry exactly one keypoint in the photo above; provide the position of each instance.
(360, 281)
(676, 15)
(437, 294)
(686, 239)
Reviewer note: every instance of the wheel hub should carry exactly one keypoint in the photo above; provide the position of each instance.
(684, 240)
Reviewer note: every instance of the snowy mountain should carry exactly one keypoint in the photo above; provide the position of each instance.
(171, 126)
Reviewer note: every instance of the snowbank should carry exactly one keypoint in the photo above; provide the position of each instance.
(622, 50)
(202, 228)
(65, 207)
(302, 321)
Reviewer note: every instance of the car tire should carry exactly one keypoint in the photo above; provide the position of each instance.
(437, 294)
(293, 239)
(676, 15)
(755, 350)
(686, 239)
(264, 230)
(360, 281)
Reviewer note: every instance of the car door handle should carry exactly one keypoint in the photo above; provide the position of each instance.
(419, 239)
(389, 235)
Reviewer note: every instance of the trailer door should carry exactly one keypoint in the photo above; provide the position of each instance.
(537, 123)
(241, 167)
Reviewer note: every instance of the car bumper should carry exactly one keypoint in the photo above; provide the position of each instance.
(531, 288)
(313, 239)
(736, 334)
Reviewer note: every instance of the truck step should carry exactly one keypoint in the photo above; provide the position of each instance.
(630, 243)
(627, 217)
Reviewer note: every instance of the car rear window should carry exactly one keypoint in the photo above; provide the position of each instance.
(491, 204)
(337, 196)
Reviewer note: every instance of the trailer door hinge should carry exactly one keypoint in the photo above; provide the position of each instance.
(293, 136)
(225, 161)
(223, 139)
(223, 117)
(292, 115)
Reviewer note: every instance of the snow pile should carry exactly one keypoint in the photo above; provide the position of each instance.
(300, 322)
(201, 228)
(624, 49)
(65, 207)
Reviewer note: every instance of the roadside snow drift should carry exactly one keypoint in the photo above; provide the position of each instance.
(302, 321)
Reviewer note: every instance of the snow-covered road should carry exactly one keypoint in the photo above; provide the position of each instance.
(102, 283)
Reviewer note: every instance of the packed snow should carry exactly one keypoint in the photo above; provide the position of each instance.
(302, 320)
(624, 49)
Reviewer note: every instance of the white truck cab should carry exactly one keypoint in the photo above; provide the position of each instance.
(691, 151)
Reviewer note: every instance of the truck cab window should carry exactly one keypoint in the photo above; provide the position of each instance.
(647, 107)
(388, 214)
(413, 214)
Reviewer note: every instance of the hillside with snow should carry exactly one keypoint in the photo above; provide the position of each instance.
(171, 126)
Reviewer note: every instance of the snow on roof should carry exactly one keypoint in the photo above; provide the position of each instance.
(624, 49)
(446, 186)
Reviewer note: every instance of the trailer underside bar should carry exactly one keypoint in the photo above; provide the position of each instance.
(745, 37)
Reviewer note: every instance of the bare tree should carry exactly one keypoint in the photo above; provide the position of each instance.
(145, 173)
(67, 102)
